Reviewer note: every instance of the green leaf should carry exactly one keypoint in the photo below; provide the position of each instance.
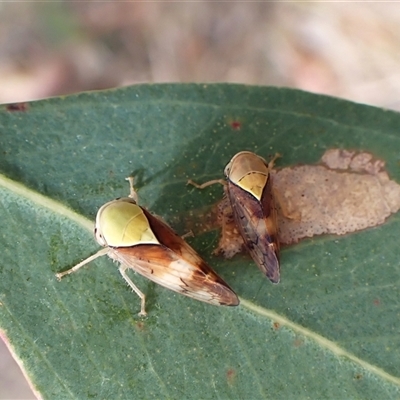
(330, 329)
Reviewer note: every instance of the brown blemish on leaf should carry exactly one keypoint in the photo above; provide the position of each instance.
(230, 376)
(276, 325)
(236, 125)
(140, 326)
(230, 235)
(377, 302)
(298, 343)
(17, 107)
(346, 192)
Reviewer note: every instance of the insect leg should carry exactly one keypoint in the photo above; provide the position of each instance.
(206, 184)
(187, 234)
(100, 253)
(133, 194)
(272, 162)
(122, 270)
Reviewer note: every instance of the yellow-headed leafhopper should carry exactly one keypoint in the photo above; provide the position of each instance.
(141, 241)
(249, 190)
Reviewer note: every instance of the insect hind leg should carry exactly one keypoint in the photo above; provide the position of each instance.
(142, 296)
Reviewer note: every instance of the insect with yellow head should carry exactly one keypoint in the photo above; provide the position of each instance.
(142, 242)
(248, 187)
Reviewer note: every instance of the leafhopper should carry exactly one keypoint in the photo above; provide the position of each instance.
(249, 190)
(142, 242)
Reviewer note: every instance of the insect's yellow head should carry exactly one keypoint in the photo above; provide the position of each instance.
(122, 223)
(249, 172)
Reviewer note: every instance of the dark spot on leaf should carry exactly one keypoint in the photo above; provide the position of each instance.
(17, 107)
(230, 376)
(236, 125)
(377, 302)
(140, 326)
(298, 343)
(276, 325)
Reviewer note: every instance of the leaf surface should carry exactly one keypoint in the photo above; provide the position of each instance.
(331, 327)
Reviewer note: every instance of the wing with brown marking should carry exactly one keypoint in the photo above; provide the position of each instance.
(257, 224)
(176, 266)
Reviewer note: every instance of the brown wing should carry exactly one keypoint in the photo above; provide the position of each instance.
(176, 266)
(257, 224)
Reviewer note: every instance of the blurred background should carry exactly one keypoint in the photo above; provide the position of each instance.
(348, 50)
